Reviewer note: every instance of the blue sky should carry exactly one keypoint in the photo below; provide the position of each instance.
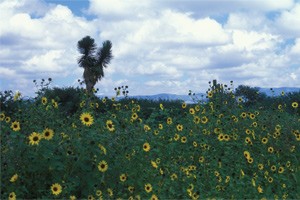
(169, 46)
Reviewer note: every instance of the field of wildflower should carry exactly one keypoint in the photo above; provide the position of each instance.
(133, 149)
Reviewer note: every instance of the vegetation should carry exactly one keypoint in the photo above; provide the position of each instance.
(93, 62)
(65, 145)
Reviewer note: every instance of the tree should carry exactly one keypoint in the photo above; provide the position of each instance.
(93, 60)
(250, 94)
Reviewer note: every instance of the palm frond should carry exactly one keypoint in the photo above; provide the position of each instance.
(104, 54)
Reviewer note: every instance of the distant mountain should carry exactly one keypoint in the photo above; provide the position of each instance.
(202, 96)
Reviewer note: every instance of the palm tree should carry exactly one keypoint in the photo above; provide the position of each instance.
(93, 60)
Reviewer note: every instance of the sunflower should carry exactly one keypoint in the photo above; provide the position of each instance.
(169, 120)
(110, 126)
(2, 116)
(192, 111)
(7, 119)
(247, 154)
(248, 140)
(295, 105)
(134, 116)
(110, 192)
(44, 100)
(264, 140)
(15, 126)
(270, 149)
(183, 105)
(243, 115)
(252, 116)
(160, 126)
(148, 187)
(56, 189)
(210, 94)
(273, 168)
(34, 138)
(14, 178)
(48, 134)
(86, 119)
(12, 196)
(179, 127)
(90, 197)
(98, 193)
(201, 159)
(131, 189)
(204, 120)
(103, 166)
(161, 106)
(147, 128)
(154, 197)
(221, 137)
(146, 147)
(176, 137)
(270, 179)
(195, 144)
(154, 164)
(123, 177)
(226, 137)
(260, 166)
(174, 176)
(197, 120)
(183, 139)
(250, 160)
(280, 170)
(72, 197)
(259, 189)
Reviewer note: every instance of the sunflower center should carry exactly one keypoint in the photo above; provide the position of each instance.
(15, 126)
(47, 134)
(86, 119)
(102, 166)
(35, 138)
(110, 125)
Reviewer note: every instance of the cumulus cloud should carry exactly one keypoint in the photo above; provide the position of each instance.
(169, 46)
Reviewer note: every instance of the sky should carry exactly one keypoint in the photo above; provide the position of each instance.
(159, 46)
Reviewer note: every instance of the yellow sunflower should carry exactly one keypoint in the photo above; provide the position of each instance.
(134, 116)
(183, 139)
(2, 116)
(192, 111)
(110, 126)
(14, 178)
(15, 126)
(169, 120)
(148, 187)
(154, 197)
(123, 177)
(86, 119)
(103, 166)
(44, 100)
(56, 189)
(34, 138)
(146, 147)
(179, 127)
(204, 120)
(295, 105)
(183, 105)
(48, 134)
(12, 196)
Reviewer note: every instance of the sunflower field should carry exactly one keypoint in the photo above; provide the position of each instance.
(133, 149)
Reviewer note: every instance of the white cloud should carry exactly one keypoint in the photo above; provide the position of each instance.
(6, 72)
(158, 46)
(288, 22)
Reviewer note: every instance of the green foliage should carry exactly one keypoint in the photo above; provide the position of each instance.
(195, 151)
(250, 95)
